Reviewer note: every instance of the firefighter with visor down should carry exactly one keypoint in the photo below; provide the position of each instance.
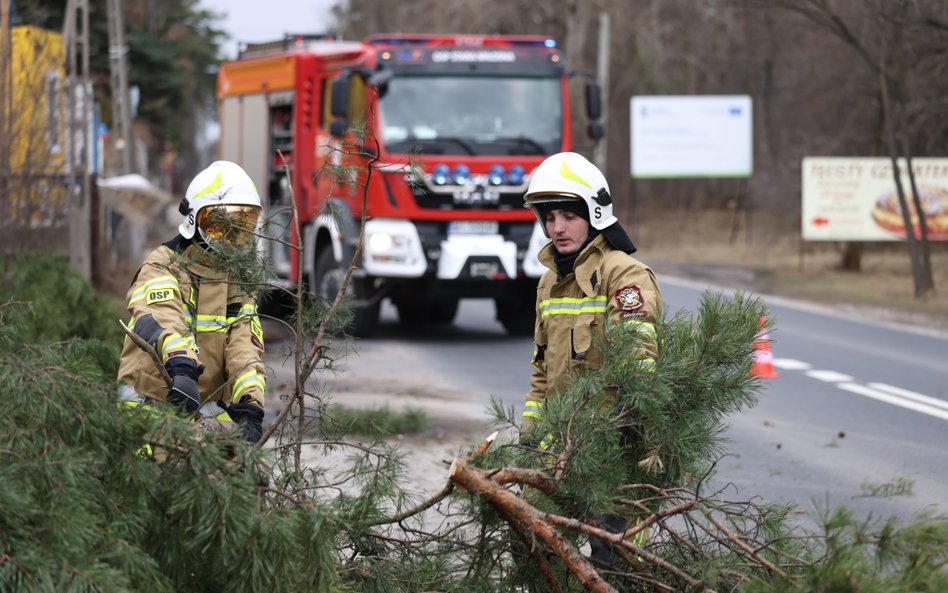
(201, 324)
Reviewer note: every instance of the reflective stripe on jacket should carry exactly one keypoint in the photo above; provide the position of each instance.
(197, 313)
(571, 317)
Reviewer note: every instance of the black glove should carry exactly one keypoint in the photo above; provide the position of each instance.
(630, 427)
(183, 393)
(250, 419)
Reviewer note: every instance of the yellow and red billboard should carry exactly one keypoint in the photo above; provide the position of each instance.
(855, 199)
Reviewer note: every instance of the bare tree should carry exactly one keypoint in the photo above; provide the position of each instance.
(810, 66)
(862, 27)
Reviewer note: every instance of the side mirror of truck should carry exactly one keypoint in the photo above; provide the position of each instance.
(338, 127)
(379, 79)
(593, 100)
(339, 97)
(595, 131)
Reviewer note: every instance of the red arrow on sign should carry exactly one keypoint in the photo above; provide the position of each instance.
(820, 221)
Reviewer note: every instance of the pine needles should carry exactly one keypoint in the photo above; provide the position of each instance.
(83, 509)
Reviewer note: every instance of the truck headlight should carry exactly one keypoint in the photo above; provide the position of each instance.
(393, 249)
(381, 242)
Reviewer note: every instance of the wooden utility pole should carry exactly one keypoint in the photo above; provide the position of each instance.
(118, 67)
(600, 158)
(79, 139)
(6, 92)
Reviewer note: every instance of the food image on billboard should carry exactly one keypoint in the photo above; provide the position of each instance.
(855, 199)
(887, 213)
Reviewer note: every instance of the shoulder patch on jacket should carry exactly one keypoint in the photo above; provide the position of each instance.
(629, 298)
(158, 295)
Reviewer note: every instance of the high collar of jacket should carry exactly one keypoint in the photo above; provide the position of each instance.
(192, 256)
(197, 262)
(586, 264)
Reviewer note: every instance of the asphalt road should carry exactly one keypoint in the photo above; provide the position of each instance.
(858, 415)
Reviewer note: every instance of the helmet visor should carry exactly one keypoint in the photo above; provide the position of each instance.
(229, 223)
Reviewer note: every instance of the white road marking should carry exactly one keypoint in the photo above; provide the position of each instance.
(925, 399)
(889, 394)
(829, 376)
(791, 364)
(894, 400)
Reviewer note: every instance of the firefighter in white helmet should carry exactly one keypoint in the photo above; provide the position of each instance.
(202, 324)
(592, 282)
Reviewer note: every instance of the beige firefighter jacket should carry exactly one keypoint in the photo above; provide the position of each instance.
(606, 286)
(200, 315)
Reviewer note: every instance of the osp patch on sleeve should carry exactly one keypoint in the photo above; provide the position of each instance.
(159, 295)
(629, 298)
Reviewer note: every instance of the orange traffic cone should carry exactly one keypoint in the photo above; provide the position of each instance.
(763, 365)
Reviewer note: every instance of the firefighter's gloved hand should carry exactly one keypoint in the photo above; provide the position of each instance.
(249, 417)
(630, 427)
(183, 393)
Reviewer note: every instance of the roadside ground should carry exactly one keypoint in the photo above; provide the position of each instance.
(766, 255)
(456, 419)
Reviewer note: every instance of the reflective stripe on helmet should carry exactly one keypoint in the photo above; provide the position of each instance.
(568, 174)
(213, 186)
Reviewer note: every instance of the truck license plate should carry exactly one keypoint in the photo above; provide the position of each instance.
(472, 227)
(484, 270)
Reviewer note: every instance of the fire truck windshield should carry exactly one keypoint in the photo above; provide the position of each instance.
(471, 115)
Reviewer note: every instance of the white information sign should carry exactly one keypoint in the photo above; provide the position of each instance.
(855, 199)
(692, 136)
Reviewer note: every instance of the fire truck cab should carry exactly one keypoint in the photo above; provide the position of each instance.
(423, 143)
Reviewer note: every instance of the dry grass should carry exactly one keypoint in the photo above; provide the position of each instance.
(773, 259)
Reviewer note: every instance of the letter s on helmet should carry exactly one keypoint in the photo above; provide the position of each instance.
(223, 183)
(569, 176)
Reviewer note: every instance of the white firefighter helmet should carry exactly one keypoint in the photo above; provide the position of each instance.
(569, 176)
(224, 188)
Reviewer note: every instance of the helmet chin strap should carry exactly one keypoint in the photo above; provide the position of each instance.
(202, 241)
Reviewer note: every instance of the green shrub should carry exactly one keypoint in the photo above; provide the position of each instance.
(81, 511)
(60, 304)
(379, 422)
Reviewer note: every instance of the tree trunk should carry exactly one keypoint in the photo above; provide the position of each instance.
(918, 273)
(928, 281)
(852, 257)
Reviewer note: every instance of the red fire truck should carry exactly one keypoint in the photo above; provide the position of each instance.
(442, 131)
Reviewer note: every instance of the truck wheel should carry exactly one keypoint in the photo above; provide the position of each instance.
(517, 316)
(443, 311)
(418, 313)
(328, 277)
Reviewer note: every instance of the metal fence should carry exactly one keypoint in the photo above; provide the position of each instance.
(34, 214)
